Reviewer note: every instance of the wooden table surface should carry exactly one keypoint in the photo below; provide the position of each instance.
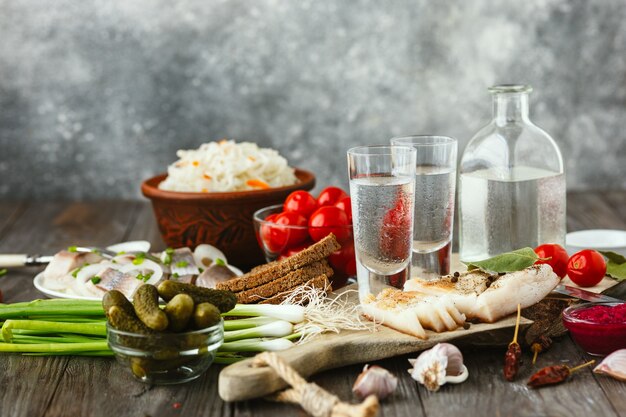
(79, 386)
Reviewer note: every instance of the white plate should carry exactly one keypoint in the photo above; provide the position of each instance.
(600, 239)
(38, 283)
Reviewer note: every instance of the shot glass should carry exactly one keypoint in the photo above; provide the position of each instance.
(435, 184)
(382, 186)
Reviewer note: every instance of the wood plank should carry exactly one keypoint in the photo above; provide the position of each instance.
(29, 383)
(487, 393)
(594, 210)
(9, 213)
(46, 228)
(145, 227)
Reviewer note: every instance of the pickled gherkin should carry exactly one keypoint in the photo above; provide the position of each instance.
(146, 303)
(223, 300)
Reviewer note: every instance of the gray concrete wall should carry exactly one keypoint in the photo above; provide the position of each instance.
(97, 95)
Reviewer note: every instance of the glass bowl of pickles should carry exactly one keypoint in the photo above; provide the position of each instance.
(171, 343)
(166, 358)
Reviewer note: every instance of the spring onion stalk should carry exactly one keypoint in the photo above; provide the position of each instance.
(240, 324)
(69, 319)
(53, 307)
(54, 348)
(52, 339)
(228, 358)
(291, 313)
(256, 345)
(293, 336)
(279, 328)
(87, 353)
(96, 329)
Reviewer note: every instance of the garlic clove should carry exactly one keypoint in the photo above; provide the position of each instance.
(613, 365)
(434, 367)
(375, 380)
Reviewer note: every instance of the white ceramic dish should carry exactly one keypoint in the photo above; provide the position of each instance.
(599, 239)
(38, 283)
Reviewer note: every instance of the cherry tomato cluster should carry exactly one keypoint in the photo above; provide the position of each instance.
(585, 268)
(331, 212)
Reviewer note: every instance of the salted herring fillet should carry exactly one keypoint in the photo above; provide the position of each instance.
(487, 297)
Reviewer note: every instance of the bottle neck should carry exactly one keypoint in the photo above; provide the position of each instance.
(510, 108)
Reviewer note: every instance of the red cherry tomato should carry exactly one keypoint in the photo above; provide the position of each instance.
(293, 250)
(330, 196)
(329, 219)
(344, 259)
(270, 236)
(558, 257)
(345, 204)
(395, 241)
(294, 235)
(586, 268)
(276, 237)
(300, 202)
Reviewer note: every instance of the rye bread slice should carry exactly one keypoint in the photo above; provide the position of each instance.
(269, 272)
(320, 281)
(290, 280)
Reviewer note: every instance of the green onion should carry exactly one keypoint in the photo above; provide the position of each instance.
(169, 251)
(279, 328)
(220, 262)
(239, 324)
(72, 249)
(256, 345)
(182, 264)
(97, 329)
(95, 280)
(52, 307)
(290, 313)
(175, 275)
(3, 272)
(137, 261)
(54, 348)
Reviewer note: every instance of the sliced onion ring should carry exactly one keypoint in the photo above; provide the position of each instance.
(146, 264)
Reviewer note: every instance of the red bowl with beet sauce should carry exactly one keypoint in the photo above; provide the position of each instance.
(598, 328)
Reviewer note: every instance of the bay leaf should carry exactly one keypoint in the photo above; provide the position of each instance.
(506, 262)
(616, 265)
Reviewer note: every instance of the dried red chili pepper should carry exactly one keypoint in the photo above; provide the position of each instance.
(554, 374)
(514, 352)
(541, 344)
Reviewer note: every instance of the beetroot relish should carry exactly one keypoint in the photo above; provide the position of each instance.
(598, 328)
(602, 314)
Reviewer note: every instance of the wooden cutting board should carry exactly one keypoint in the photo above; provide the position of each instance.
(241, 381)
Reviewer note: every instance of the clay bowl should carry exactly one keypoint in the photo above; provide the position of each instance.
(220, 219)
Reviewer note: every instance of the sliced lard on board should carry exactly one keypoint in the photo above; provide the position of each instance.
(112, 279)
(488, 297)
(526, 287)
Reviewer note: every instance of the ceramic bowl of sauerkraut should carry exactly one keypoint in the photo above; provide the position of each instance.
(210, 194)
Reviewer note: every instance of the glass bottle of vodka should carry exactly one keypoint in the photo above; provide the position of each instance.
(511, 182)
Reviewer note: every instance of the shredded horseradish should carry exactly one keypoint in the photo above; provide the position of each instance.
(324, 314)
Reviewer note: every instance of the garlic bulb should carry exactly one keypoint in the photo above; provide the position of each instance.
(375, 380)
(613, 365)
(439, 365)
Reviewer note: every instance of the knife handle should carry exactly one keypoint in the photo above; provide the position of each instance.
(13, 261)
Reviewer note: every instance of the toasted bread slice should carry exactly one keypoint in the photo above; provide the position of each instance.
(321, 281)
(292, 279)
(266, 273)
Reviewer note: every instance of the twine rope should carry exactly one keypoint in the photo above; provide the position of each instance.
(313, 398)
